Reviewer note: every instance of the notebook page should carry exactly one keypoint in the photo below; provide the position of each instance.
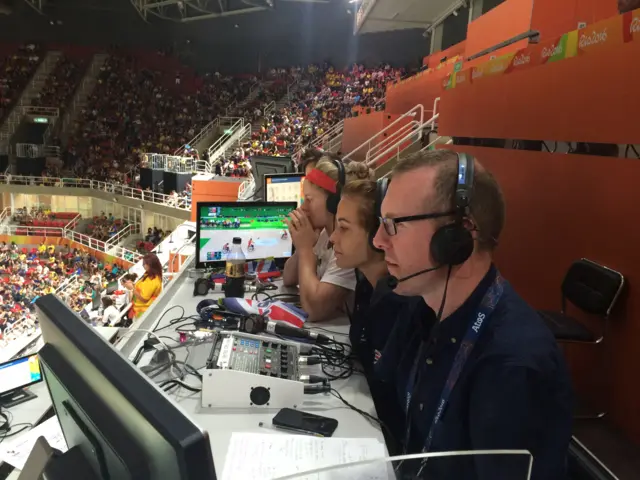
(258, 456)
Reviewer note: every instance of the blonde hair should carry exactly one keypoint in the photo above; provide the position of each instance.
(365, 191)
(352, 170)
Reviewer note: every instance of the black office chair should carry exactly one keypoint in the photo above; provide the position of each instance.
(592, 288)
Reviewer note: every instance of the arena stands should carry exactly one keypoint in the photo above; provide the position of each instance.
(104, 227)
(61, 83)
(35, 222)
(16, 68)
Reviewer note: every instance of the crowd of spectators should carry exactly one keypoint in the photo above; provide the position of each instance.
(15, 71)
(105, 226)
(61, 83)
(151, 240)
(131, 111)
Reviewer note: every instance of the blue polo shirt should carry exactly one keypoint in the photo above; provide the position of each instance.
(374, 318)
(514, 391)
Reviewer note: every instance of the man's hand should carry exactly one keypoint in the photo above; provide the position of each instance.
(303, 235)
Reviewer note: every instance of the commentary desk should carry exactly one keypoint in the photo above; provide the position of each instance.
(220, 424)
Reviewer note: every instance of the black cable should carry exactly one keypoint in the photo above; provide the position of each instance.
(164, 313)
(366, 415)
(11, 433)
(175, 382)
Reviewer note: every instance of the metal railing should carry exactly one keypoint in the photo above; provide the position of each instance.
(32, 231)
(269, 109)
(201, 134)
(125, 191)
(229, 110)
(120, 234)
(29, 150)
(395, 149)
(417, 111)
(171, 163)
(5, 213)
(405, 130)
(236, 124)
(67, 283)
(237, 137)
(73, 222)
(95, 244)
(41, 111)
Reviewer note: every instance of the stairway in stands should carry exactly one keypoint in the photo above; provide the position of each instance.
(83, 92)
(34, 87)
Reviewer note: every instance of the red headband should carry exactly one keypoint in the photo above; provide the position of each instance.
(322, 180)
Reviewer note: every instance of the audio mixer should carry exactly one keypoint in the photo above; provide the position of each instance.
(245, 370)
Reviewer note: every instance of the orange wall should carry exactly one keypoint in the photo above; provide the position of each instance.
(590, 97)
(422, 88)
(553, 18)
(561, 208)
(212, 191)
(505, 21)
(435, 58)
(358, 130)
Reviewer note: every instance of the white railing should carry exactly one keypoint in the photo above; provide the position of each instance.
(225, 137)
(416, 114)
(32, 231)
(171, 163)
(403, 131)
(102, 246)
(73, 279)
(230, 109)
(203, 133)
(5, 213)
(238, 136)
(73, 222)
(41, 111)
(120, 234)
(269, 109)
(125, 191)
(401, 144)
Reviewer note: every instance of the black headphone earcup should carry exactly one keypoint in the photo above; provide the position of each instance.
(332, 203)
(451, 245)
(202, 310)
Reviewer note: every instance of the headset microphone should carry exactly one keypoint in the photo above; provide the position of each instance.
(392, 282)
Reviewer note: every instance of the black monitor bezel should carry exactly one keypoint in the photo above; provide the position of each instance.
(7, 392)
(299, 175)
(158, 410)
(279, 260)
(276, 162)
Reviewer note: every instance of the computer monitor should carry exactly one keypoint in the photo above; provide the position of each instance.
(115, 421)
(15, 376)
(261, 166)
(260, 225)
(284, 187)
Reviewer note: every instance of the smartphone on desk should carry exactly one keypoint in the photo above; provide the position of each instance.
(303, 422)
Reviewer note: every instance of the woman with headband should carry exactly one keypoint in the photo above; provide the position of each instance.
(324, 287)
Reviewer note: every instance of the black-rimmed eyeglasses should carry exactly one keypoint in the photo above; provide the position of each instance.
(391, 224)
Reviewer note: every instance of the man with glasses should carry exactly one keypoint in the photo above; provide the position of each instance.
(482, 372)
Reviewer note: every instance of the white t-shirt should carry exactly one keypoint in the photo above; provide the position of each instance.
(110, 316)
(327, 270)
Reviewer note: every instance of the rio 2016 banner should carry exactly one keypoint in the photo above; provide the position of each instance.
(592, 38)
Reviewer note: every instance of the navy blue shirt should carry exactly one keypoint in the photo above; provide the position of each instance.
(514, 391)
(375, 316)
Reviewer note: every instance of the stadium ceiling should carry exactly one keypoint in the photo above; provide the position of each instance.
(193, 10)
(384, 15)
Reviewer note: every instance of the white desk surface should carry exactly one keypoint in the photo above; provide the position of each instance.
(222, 423)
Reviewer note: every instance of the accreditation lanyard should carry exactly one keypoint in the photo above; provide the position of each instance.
(481, 317)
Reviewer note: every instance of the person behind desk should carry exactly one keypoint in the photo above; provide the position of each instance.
(149, 286)
(511, 388)
(376, 307)
(324, 287)
(111, 314)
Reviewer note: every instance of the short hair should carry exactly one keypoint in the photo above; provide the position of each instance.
(487, 208)
(352, 170)
(365, 192)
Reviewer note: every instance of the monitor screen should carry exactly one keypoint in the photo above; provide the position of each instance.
(286, 187)
(260, 225)
(19, 373)
(261, 166)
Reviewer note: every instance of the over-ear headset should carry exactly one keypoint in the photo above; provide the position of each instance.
(381, 190)
(452, 244)
(333, 199)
